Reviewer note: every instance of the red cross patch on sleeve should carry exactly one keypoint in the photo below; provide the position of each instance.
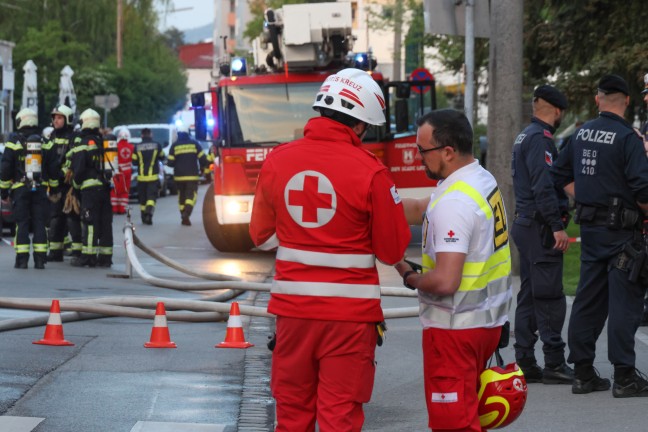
(548, 158)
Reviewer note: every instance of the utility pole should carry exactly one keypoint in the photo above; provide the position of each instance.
(119, 33)
(398, 31)
(505, 96)
(470, 61)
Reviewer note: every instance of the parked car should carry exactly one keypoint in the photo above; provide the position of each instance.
(165, 134)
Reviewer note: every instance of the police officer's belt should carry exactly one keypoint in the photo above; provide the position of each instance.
(536, 216)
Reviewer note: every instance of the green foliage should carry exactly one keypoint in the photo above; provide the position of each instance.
(54, 33)
(571, 265)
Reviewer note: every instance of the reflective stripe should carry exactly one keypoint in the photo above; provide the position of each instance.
(451, 319)
(326, 259)
(40, 247)
(105, 250)
(56, 246)
(186, 178)
(269, 244)
(90, 183)
(326, 289)
(21, 248)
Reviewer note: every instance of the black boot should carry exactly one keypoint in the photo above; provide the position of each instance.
(55, 256)
(186, 212)
(104, 261)
(84, 260)
(21, 261)
(39, 260)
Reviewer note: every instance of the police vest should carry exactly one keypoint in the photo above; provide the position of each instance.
(484, 295)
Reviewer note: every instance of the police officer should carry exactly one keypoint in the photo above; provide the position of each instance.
(539, 233)
(644, 134)
(61, 142)
(188, 160)
(147, 155)
(28, 171)
(93, 180)
(607, 163)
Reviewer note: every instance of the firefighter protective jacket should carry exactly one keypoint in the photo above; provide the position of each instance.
(87, 161)
(187, 158)
(331, 208)
(146, 156)
(12, 167)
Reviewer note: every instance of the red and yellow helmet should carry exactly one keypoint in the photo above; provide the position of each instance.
(502, 395)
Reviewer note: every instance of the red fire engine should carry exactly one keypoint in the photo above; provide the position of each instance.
(253, 111)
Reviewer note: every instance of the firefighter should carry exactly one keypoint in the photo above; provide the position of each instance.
(188, 160)
(122, 178)
(28, 169)
(92, 177)
(148, 156)
(331, 208)
(61, 141)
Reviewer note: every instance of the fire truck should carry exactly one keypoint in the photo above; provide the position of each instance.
(257, 108)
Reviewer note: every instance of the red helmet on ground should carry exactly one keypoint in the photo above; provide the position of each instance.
(502, 395)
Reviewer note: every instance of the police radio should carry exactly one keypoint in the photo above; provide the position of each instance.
(33, 160)
(110, 156)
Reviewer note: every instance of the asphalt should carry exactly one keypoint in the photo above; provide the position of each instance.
(398, 399)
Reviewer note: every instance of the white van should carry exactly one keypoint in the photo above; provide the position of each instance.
(165, 134)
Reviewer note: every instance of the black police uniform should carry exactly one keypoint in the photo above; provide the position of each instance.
(96, 209)
(644, 134)
(61, 142)
(607, 163)
(146, 156)
(188, 159)
(541, 305)
(31, 206)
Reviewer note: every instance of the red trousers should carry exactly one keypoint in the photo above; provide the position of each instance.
(119, 194)
(322, 371)
(453, 360)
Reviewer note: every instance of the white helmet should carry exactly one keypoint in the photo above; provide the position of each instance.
(124, 134)
(65, 111)
(183, 128)
(353, 92)
(47, 132)
(89, 119)
(26, 117)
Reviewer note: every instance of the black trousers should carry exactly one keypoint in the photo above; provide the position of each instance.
(187, 193)
(96, 221)
(604, 292)
(147, 193)
(31, 210)
(541, 304)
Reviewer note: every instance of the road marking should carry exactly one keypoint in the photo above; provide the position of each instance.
(146, 426)
(19, 424)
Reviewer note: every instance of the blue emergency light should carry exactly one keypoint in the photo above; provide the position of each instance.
(239, 66)
(361, 61)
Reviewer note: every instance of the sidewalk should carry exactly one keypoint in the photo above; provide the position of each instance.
(398, 400)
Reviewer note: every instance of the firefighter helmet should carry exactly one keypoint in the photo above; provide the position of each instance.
(355, 93)
(26, 117)
(89, 119)
(65, 111)
(183, 128)
(502, 395)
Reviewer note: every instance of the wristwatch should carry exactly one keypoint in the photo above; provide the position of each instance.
(405, 276)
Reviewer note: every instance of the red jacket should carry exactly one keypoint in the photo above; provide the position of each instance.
(125, 156)
(331, 208)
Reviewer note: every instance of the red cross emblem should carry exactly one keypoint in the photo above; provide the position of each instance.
(451, 233)
(310, 199)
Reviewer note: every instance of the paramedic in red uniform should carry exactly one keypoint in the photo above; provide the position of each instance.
(331, 209)
(465, 289)
(122, 178)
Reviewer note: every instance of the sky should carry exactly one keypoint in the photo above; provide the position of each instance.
(200, 14)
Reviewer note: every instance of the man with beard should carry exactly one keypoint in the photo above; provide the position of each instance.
(539, 234)
(465, 288)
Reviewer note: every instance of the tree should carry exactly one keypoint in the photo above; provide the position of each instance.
(151, 86)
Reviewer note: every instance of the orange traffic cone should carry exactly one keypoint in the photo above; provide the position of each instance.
(54, 328)
(160, 333)
(234, 337)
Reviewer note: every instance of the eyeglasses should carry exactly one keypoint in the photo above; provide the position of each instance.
(422, 151)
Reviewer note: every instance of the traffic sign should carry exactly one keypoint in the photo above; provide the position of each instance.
(421, 74)
(108, 102)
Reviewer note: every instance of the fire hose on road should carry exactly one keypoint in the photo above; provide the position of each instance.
(209, 309)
